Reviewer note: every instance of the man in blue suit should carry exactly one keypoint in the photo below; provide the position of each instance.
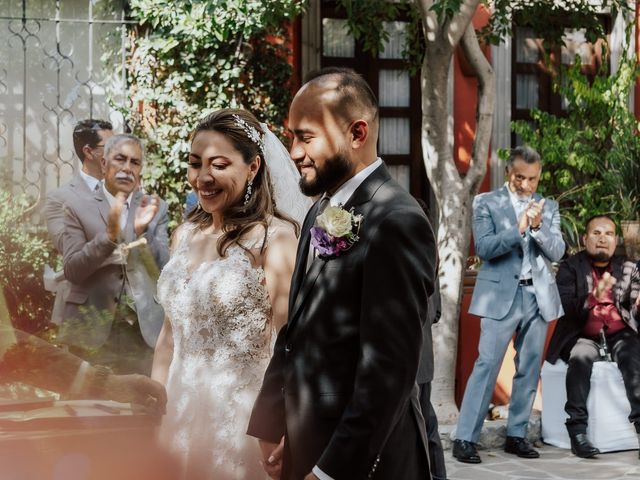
(517, 236)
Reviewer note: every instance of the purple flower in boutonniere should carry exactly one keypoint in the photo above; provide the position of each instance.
(335, 232)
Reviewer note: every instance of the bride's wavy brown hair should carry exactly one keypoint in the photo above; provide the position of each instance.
(239, 219)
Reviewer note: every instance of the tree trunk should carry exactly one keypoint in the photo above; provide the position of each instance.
(453, 192)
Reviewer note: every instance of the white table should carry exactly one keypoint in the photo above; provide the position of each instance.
(609, 428)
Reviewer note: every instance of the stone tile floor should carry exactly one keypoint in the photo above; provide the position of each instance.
(553, 464)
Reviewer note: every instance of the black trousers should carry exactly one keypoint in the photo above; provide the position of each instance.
(625, 351)
(436, 455)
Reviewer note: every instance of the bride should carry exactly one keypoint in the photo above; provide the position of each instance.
(225, 293)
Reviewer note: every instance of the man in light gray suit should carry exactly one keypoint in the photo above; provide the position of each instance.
(89, 137)
(517, 236)
(111, 315)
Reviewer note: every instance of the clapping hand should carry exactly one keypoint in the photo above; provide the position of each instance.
(534, 213)
(532, 216)
(605, 284)
(145, 212)
(113, 221)
(272, 458)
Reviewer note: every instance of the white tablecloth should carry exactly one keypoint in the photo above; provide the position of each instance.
(609, 428)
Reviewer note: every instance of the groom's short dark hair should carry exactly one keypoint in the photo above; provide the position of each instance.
(354, 93)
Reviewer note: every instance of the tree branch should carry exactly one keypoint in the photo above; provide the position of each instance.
(429, 20)
(484, 111)
(457, 25)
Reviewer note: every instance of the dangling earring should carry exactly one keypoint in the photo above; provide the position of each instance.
(247, 195)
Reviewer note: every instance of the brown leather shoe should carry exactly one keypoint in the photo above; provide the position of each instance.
(520, 447)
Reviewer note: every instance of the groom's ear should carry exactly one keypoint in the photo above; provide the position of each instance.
(359, 133)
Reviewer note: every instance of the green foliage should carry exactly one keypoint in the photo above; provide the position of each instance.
(192, 57)
(23, 254)
(365, 20)
(592, 155)
(362, 15)
(549, 18)
(446, 9)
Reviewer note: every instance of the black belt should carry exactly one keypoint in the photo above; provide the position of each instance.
(527, 282)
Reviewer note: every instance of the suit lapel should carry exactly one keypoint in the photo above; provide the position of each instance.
(369, 187)
(78, 184)
(303, 283)
(301, 256)
(103, 205)
(308, 282)
(506, 205)
(129, 231)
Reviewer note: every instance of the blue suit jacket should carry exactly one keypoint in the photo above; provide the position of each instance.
(499, 244)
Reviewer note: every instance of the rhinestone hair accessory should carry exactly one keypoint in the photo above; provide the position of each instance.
(251, 132)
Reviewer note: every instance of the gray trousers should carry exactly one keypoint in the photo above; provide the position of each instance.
(530, 331)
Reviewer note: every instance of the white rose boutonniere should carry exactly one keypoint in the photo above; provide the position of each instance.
(335, 221)
(335, 232)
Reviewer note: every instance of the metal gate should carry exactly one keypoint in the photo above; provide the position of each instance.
(60, 62)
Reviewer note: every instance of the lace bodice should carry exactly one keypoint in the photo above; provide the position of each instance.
(219, 310)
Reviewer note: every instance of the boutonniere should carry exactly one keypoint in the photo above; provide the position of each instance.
(335, 231)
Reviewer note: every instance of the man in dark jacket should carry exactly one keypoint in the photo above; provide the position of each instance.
(599, 293)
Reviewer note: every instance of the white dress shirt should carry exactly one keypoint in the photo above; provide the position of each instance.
(346, 190)
(92, 182)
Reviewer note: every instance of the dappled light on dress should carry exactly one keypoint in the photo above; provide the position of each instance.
(219, 312)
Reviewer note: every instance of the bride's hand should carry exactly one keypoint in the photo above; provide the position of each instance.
(272, 458)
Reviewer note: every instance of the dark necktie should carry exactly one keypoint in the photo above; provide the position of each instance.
(322, 205)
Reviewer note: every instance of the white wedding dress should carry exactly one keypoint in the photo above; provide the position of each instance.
(219, 311)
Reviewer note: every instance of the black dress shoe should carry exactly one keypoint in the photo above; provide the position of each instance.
(465, 452)
(581, 446)
(520, 447)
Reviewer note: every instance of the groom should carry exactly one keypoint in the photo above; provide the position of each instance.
(340, 387)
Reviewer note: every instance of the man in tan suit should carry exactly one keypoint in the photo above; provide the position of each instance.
(89, 137)
(111, 316)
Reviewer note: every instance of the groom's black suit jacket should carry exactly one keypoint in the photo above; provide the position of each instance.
(341, 380)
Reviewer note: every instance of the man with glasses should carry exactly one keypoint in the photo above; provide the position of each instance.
(88, 141)
(89, 137)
